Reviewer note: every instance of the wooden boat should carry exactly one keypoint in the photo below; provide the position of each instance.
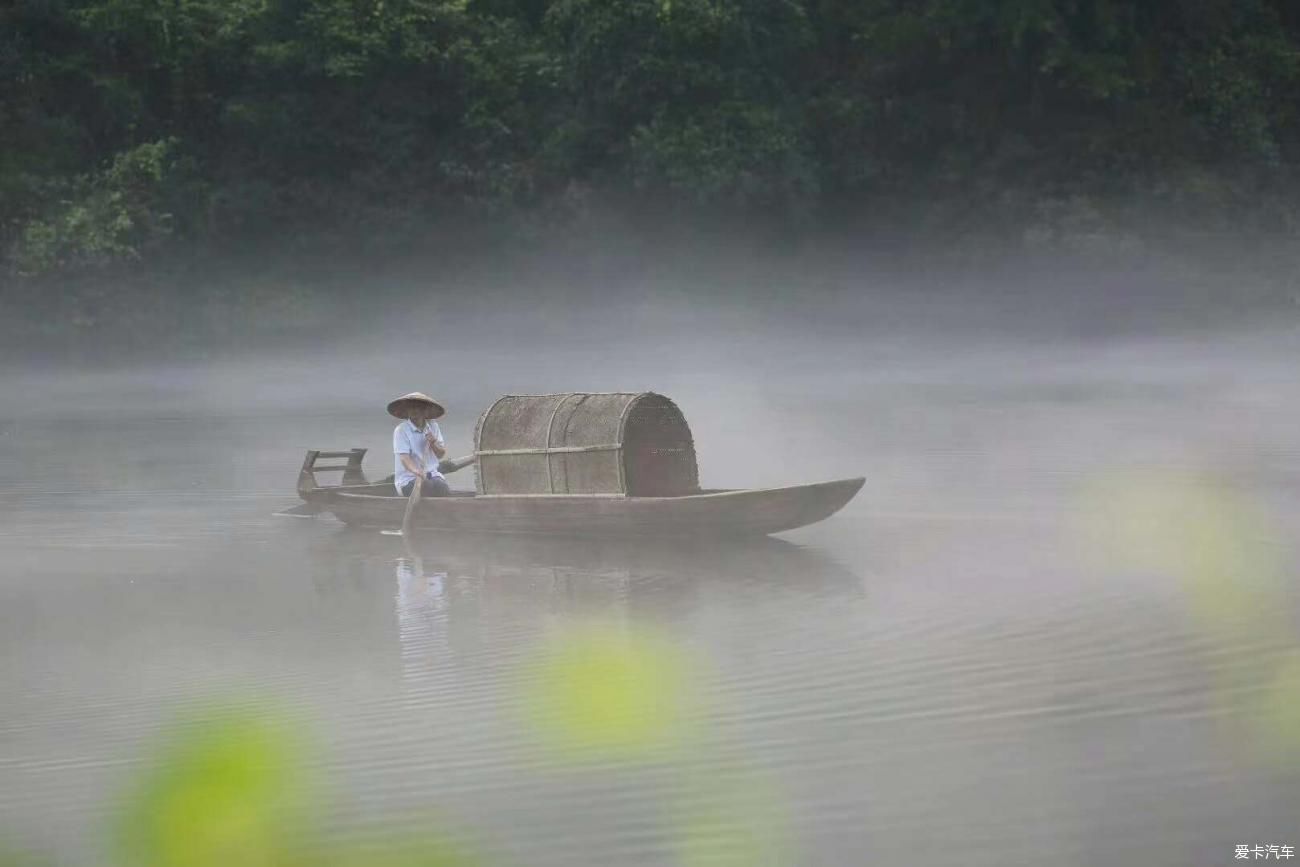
(578, 464)
(723, 512)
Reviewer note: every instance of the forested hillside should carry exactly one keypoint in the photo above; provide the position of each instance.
(132, 131)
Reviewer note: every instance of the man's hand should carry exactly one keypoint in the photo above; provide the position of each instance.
(438, 449)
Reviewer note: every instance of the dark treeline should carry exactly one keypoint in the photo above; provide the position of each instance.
(138, 132)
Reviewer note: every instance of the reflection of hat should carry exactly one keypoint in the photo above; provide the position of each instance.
(401, 407)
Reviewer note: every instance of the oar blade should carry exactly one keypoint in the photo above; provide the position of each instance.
(410, 510)
(302, 510)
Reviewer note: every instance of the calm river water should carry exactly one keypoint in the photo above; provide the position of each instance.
(1058, 626)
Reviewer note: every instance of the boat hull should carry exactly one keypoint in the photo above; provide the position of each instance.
(727, 513)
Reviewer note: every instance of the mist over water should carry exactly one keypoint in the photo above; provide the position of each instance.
(952, 670)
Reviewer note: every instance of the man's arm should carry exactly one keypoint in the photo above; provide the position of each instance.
(436, 444)
(411, 464)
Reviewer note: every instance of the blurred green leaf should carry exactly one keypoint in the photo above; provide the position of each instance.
(1275, 715)
(607, 692)
(1219, 545)
(14, 858)
(231, 788)
(1222, 549)
(424, 850)
(732, 818)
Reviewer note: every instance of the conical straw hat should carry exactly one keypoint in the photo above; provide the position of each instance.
(401, 406)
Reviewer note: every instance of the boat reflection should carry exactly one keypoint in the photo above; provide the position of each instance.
(455, 598)
(533, 566)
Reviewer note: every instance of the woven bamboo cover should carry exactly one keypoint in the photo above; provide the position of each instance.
(582, 443)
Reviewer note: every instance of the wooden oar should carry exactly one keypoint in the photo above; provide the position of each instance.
(451, 465)
(410, 510)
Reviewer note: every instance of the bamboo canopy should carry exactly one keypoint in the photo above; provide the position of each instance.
(611, 444)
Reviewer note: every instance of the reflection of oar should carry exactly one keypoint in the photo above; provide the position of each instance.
(410, 510)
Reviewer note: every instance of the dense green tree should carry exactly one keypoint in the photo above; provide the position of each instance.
(698, 100)
(131, 130)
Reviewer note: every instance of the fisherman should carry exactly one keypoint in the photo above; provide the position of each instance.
(418, 445)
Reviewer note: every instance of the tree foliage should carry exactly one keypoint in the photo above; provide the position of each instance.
(129, 127)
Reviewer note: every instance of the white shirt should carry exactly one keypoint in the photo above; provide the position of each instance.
(410, 440)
